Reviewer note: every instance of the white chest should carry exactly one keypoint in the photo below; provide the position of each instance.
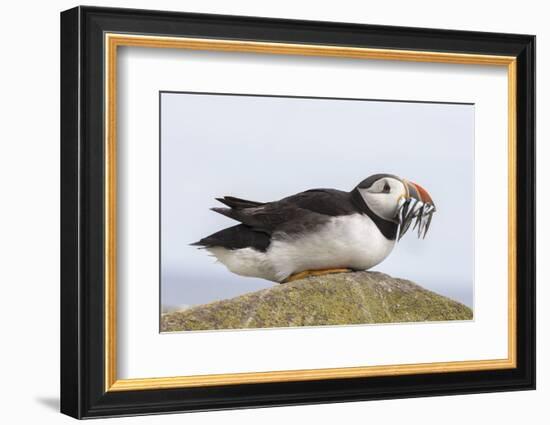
(352, 241)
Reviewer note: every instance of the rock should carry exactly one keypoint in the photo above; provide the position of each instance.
(171, 308)
(335, 299)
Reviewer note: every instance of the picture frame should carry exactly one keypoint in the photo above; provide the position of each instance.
(91, 38)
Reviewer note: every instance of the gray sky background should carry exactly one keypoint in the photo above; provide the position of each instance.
(266, 148)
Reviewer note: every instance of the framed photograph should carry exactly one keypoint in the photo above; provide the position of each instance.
(261, 212)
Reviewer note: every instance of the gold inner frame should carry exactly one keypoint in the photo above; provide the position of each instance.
(113, 41)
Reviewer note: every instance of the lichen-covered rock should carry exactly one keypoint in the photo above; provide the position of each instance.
(336, 299)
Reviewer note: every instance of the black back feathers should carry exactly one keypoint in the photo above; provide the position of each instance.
(290, 216)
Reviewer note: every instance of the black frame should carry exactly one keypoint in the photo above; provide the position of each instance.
(82, 203)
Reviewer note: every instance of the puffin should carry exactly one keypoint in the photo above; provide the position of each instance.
(319, 231)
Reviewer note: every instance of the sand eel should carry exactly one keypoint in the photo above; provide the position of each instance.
(319, 231)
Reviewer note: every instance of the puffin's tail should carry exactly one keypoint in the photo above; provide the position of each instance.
(239, 236)
(236, 237)
(238, 203)
(200, 244)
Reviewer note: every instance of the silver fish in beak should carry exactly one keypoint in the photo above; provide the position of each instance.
(417, 205)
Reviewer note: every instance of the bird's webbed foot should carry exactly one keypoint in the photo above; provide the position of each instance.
(321, 272)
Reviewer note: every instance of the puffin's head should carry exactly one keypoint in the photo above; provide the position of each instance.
(397, 200)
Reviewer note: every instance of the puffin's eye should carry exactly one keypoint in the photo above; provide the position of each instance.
(386, 188)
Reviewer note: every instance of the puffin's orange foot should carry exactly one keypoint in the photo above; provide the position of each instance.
(307, 273)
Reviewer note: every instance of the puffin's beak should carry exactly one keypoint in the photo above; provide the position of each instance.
(418, 204)
(418, 192)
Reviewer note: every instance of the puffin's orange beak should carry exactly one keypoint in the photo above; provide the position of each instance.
(419, 193)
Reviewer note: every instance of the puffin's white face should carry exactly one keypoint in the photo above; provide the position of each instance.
(399, 200)
(383, 196)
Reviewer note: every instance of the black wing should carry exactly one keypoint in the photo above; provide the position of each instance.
(289, 216)
(297, 212)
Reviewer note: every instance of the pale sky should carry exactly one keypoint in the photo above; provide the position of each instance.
(267, 148)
